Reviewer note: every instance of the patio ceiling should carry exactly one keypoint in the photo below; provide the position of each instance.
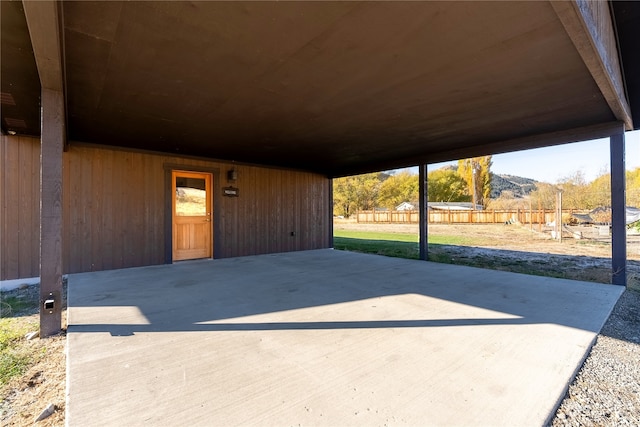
(332, 87)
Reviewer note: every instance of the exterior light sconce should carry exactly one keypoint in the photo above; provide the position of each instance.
(232, 175)
(231, 191)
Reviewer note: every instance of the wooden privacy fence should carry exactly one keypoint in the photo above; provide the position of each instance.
(462, 216)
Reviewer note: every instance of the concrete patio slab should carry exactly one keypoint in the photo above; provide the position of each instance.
(325, 338)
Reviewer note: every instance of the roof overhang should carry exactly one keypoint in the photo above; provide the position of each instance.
(332, 87)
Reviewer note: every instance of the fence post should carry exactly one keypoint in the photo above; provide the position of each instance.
(543, 219)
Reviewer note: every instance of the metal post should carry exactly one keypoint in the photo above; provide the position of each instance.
(423, 211)
(618, 211)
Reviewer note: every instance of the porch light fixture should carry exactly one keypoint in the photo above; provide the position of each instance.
(232, 175)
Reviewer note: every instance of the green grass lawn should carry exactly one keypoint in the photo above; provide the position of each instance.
(15, 353)
(394, 244)
(406, 246)
(14, 358)
(405, 237)
(378, 247)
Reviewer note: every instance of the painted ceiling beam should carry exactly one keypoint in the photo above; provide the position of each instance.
(590, 26)
(585, 133)
(43, 20)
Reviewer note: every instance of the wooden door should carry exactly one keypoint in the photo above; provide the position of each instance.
(192, 215)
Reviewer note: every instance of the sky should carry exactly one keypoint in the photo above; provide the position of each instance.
(551, 164)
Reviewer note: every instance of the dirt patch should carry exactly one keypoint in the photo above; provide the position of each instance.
(25, 397)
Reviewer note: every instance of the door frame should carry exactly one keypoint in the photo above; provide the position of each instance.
(205, 232)
(169, 168)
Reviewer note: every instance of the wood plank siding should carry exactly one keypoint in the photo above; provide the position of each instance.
(114, 208)
(19, 207)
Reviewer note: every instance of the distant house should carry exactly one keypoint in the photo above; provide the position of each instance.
(454, 206)
(406, 206)
(633, 215)
(602, 215)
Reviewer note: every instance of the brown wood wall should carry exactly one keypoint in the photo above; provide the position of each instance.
(114, 208)
(19, 207)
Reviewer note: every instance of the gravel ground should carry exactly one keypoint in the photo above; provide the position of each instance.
(606, 391)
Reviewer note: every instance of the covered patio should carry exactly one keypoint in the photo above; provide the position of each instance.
(105, 104)
(325, 337)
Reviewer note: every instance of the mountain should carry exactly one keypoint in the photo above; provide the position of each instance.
(518, 185)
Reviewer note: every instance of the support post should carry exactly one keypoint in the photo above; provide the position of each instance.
(618, 210)
(330, 202)
(423, 211)
(44, 20)
(52, 144)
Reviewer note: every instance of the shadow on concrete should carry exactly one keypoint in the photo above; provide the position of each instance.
(325, 338)
(198, 296)
(124, 330)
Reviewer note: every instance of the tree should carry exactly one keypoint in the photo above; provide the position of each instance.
(398, 188)
(599, 192)
(446, 185)
(357, 192)
(508, 201)
(477, 174)
(633, 187)
(600, 189)
(575, 191)
(544, 196)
